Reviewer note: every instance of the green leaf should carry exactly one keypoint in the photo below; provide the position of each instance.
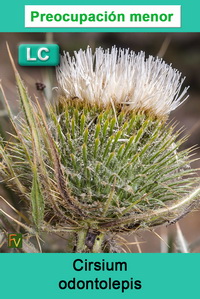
(37, 201)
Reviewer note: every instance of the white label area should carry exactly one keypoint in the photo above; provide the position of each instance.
(102, 16)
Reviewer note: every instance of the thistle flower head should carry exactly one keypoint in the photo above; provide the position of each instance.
(121, 77)
(99, 162)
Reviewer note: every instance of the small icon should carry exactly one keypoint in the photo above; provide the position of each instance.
(38, 55)
(14, 240)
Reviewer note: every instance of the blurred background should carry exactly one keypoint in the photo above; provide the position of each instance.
(182, 50)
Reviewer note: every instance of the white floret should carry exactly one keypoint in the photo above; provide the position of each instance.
(120, 76)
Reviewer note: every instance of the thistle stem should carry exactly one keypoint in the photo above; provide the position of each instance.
(97, 247)
(88, 241)
(81, 236)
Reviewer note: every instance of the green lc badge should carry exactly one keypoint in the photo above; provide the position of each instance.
(38, 55)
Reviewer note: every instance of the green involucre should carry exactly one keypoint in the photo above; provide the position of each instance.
(118, 167)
